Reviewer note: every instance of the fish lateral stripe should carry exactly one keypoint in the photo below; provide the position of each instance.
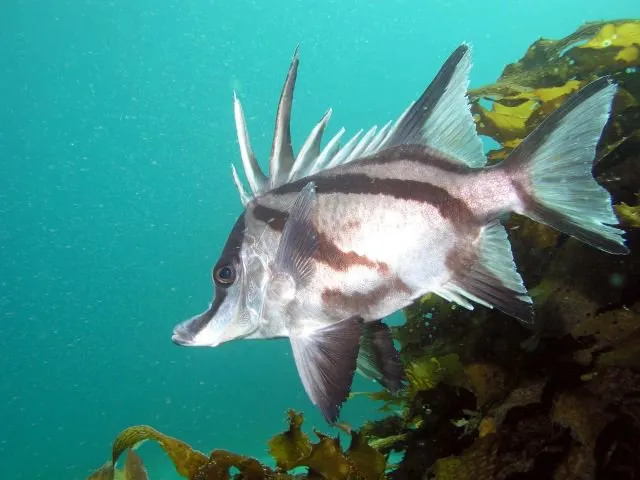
(272, 217)
(334, 299)
(421, 154)
(450, 207)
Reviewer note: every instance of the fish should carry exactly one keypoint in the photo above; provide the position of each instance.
(336, 238)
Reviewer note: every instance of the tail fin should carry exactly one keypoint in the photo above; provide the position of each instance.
(551, 170)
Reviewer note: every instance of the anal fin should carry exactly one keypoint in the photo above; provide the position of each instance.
(378, 358)
(326, 361)
(491, 279)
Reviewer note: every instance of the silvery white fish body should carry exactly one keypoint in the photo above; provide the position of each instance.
(336, 239)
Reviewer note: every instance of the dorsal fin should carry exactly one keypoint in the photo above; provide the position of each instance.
(310, 150)
(255, 177)
(244, 196)
(282, 157)
(441, 118)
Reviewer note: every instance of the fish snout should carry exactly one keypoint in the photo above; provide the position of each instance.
(182, 336)
(196, 332)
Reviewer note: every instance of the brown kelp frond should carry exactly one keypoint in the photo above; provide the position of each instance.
(106, 472)
(629, 215)
(291, 449)
(134, 469)
(188, 462)
(325, 458)
(551, 70)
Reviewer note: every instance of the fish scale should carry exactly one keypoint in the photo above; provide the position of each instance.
(336, 238)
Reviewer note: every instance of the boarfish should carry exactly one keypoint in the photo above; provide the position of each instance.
(336, 239)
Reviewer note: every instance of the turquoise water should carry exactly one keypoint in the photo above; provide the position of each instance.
(116, 136)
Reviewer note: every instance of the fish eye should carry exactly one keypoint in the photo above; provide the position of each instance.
(225, 275)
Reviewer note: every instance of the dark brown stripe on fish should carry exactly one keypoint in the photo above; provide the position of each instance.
(449, 207)
(361, 303)
(352, 225)
(230, 256)
(334, 299)
(522, 193)
(419, 154)
(459, 260)
(271, 216)
(332, 256)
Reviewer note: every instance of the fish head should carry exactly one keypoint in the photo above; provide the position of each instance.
(233, 313)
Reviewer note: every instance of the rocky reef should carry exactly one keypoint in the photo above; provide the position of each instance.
(487, 398)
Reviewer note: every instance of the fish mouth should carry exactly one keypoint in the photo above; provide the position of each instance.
(181, 336)
(190, 332)
(184, 338)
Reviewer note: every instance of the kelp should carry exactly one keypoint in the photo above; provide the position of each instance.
(292, 449)
(325, 459)
(487, 397)
(551, 70)
(134, 469)
(629, 215)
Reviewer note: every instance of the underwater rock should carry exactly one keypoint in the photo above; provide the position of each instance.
(529, 393)
(585, 415)
(477, 463)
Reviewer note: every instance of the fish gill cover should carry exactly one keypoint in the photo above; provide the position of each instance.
(486, 398)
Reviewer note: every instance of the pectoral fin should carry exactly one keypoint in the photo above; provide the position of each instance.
(298, 242)
(293, 264)
(326, 361)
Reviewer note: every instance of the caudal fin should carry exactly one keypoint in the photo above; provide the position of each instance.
(551, 170)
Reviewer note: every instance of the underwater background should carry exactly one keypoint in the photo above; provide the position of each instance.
(116, 138)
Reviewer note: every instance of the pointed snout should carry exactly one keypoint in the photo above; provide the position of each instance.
(181, 336)
(185, 333)
(196, 332)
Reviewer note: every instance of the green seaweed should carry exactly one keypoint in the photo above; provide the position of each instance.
(629, 215)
